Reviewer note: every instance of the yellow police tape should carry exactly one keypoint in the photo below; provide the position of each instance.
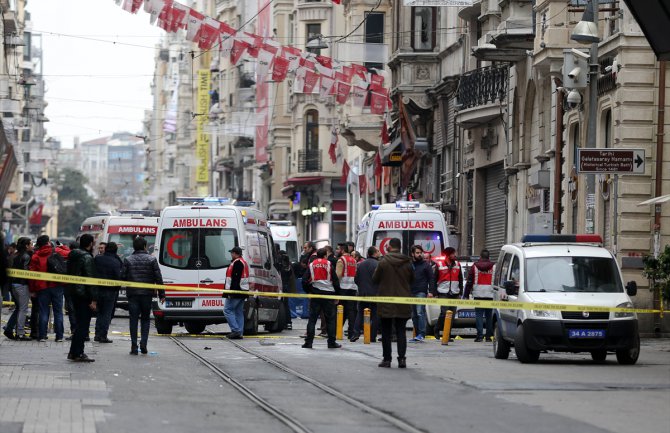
(502, 305)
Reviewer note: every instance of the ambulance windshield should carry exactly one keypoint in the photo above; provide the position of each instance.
(431, 241)
(125, 243)
(197, 248)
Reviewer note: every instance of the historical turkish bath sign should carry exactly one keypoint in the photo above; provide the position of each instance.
(438, 3)
(614, 161)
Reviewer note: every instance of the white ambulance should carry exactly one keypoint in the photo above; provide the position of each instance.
(193, 244)
(412, 222)
(285, 235)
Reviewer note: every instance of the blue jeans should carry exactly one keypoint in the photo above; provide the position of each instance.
(17, 319)
(419, 316)
(106, 304)
(480, 314)
(234, 312)
(53, 296)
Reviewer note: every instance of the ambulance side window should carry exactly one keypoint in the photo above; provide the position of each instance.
(177, 247)
(266, 248)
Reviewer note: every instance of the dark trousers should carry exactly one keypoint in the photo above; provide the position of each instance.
(316, 306)
(139, 307)
(374, 320)
(69, 307)
(287, 308)
(443, 314)
(482, 314)
(106, 304)
(34, 317)
(83, 312)
(387, 335)
(350, 311)
(51, 296)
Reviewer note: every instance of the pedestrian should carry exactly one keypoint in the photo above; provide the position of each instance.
(20, 292)
(288, 284)
(48, 293)
(346, 272)
(4, 279)
(357, 256)
(366, 287)
(84, 296)
(351, 247)
(108, 266)
(321, 279)
(101, 248)
(7, 260)
(480, 284)
(448, 284)
(394, 275)
(69, 305)
(237, 278)
(141, 267)
(421, 286)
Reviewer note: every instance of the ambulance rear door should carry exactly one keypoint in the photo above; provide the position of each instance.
(425, 228)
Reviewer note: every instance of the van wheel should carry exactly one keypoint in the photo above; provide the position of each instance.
(500, 345)
(278, 325)
(251, 324)
(599, 356)
(629, 356)
(162, 327)
(523, 354)
(194, 327)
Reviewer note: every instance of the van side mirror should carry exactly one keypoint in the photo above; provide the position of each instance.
(631, 288)
(511, 288)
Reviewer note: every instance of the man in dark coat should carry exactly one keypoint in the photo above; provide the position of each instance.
(366, 287)
(394, 275)
(422, 284)
(84, 296)
(141, 267)
(108, 266)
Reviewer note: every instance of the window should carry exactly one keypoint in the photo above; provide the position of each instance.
(430, 241)
(313, 31)
(125, 243)
(291, 30)
(312, 130)
(423, 28)
(573, 274)
(258, 250)
(197, 249)
(374, 34)
(501, 271)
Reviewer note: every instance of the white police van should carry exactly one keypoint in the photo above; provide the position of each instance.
(193, 244)
(412, 222)
(567, 270)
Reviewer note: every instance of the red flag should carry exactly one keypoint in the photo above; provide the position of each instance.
(280, 69)
(193, 25)
(360, 70)
(378, 164)
(255, 46)
(377, 103)
(226, 29)
(325, 61)
(377, 80)
(239, 47)
(343, 78)
(209, 33)
(337, 2)
(362, 184)
(333, 145)
(311, 79)
(385, 133)
(345, 172)
(343, 90)
(348, 71)
(36, 216)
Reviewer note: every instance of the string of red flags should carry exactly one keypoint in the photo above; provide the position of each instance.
(313, 73)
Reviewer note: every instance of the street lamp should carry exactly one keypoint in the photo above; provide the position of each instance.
(585, 32)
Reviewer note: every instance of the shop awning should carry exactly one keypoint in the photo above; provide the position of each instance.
(653, 16)
(302, 181)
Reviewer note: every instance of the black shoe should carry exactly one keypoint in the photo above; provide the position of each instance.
(144, 350)
(71, 357)
(479, 340)
(23, 338)
(307, 346)
(354, 338)
(83, 358)
(104, 340)
(289, 326)
(133, 350)
(384, 364)
(9, 334)
(96, 338)
(489, 339)
(235, 336)
(68, 338)
(334, 346)
(402, 362)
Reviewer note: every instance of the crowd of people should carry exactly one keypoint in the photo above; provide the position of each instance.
(47, 299)
(341, 272)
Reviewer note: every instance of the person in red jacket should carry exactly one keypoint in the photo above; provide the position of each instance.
(448, 284)
(47, 293)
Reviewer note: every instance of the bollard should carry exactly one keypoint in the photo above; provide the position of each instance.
(366, 326)
(447, 328)
(340, 322)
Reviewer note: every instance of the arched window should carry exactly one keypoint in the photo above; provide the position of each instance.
(312, 130)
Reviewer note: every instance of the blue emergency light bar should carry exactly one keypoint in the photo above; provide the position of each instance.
(374, 207)
(210, 200)
(245, 203)
(562, 239)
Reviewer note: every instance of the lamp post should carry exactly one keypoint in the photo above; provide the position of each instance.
(586, 31)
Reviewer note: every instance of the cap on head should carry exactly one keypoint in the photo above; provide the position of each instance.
(236, 250)
(449, 251)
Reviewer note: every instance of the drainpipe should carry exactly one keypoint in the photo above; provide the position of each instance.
(558, 157)
(658, 189)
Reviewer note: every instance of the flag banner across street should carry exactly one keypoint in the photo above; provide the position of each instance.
(502, 305)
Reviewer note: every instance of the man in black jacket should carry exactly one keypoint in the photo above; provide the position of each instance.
(108, 266)
(366, 287)
(422, 284)
(141, 267)
(84, 296)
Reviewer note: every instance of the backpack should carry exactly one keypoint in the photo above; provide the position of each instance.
(56, 264)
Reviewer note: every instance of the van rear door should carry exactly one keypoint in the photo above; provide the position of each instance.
(412, 228)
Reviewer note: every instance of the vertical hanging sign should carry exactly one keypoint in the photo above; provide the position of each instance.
(202, 136)
(262, 89)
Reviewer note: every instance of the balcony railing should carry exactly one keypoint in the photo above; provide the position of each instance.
(482, 86)
(309, 160)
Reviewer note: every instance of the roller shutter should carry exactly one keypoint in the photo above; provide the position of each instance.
(495, 210)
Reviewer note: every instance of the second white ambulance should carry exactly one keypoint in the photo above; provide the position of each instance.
(193, 244)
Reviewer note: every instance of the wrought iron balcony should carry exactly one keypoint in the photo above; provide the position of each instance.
(309, 161)
(482, 86)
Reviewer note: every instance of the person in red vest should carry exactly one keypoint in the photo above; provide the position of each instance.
(448, 284)
(346, 272)
(480, 283)
(237, 278)
(322, 280)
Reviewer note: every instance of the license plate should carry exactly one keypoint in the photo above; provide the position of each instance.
(466, 314)
(178, 303)
(586, 333)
